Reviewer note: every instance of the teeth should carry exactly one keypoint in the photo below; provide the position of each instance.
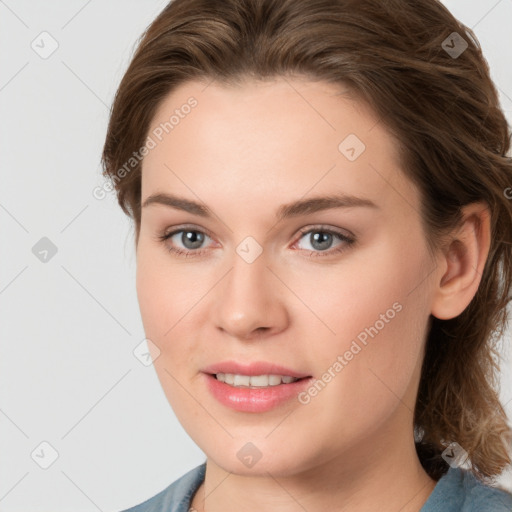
(241, 380)
(255, 381)
(274, 380)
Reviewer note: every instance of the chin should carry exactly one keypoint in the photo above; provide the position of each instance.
(259, 456)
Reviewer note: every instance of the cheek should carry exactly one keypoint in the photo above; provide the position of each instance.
(159, 306)
(362, 292)
(163, 306)
(377, 300)
(152, 295)
(380, 315)
(170, 305)
(367, 380)
(164, 291)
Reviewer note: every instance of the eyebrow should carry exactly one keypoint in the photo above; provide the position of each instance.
(294, 209)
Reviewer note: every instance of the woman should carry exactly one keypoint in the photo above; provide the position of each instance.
(323, 238)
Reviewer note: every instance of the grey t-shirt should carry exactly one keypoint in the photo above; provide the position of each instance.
(456, 491)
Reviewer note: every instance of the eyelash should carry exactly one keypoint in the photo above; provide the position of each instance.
(320, 229)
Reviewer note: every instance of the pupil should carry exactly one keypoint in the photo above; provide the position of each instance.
(322, 239)
(192, 239)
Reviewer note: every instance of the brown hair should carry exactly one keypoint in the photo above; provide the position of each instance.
(453, 138)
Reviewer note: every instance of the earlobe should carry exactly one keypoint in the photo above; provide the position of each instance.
(462, 263)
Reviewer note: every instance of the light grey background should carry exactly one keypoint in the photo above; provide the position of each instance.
(69, 325)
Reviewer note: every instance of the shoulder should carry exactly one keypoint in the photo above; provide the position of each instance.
(177, 496)
(483, 498)
(460, 491)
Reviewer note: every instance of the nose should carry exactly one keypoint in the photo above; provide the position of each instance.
(250, 301)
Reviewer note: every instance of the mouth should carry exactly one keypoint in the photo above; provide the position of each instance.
(256, 387)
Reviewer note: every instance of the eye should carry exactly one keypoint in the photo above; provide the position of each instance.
(321, 239)
(190, 239)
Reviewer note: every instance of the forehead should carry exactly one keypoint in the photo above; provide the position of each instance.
(298, 108)
(285, 135)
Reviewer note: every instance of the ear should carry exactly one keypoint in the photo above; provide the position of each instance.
(461, 263)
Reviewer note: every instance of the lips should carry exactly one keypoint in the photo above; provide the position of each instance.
(244, 397)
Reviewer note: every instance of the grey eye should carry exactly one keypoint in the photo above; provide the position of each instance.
(320, 240)
(192, 239)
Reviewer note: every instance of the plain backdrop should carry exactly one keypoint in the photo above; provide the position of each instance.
(84, 424)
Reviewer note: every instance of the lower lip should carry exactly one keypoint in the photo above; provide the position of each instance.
(255, 399)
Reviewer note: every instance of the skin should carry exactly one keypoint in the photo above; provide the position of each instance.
(243, 152)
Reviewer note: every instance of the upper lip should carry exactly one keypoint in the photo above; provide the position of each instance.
(253, 368)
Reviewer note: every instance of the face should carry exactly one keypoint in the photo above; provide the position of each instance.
(244, 270)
